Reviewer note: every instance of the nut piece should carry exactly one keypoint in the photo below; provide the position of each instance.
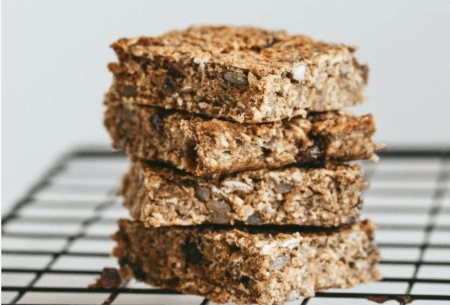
(219, 210)
(218, 206)
(255, 218)
(283, 188)
(236, 78)
(279, 261)
(203, 193)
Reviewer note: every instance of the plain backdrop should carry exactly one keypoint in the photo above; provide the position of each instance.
(55, 54)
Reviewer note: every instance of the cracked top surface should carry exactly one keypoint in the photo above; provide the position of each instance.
(265, 51)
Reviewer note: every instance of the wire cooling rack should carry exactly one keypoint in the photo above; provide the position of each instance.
(56, 239)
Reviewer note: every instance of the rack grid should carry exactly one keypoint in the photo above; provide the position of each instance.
(55, 241)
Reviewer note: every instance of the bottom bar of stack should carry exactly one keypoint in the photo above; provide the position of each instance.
(248, 264)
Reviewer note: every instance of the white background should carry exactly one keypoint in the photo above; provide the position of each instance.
(55, 54)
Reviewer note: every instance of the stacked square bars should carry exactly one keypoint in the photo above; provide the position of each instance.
(241, 189)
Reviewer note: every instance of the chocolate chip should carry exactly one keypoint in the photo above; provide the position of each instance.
(191, 253)
(257, 49)
(127, 90)
(283, 188)
(203, 193)
(144, 65)
(126, 239)
(175, 71)
(191, 150)
(234, 248)
(312, 153)
(169, 85)
(236, 78)
(110, 278)
(255, 218)
(266, 151)
(245, 280)
(173, 282)
(124, 261)
(161, 95)
(137, 271)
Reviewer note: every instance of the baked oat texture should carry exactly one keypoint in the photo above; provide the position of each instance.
(263, 266)
(243, 74)
(329, 196)
(204, 146)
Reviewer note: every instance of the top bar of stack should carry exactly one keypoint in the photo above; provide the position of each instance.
(240, 74)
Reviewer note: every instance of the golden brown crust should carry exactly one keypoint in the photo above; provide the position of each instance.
(247, 265)
(329, 196)
(240, 73)
(204, 146)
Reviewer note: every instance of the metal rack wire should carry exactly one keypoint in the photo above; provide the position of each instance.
(56, 239)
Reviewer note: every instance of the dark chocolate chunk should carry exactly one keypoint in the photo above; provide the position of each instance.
(173, 282)
(234, 248)
(245, 280)
(126, 239)
(137, 271)
(175, 71)
(191, 252)
(169, 85)
(110, 278)
(191, 150)
(266, 151)
(310, 154)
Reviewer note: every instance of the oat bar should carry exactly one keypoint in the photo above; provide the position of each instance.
(161, 196)
(203, 145)
(243, 74)
(263, 265)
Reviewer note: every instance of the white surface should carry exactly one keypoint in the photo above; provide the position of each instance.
(375, 287)
(25, 261)
(55, 55)
(430, 288)
(63, 298)
(334, 301)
